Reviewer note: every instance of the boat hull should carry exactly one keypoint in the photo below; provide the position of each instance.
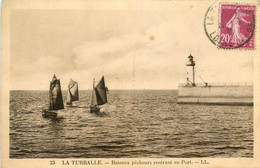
(48, 114)
(94, 109)
(69, 104)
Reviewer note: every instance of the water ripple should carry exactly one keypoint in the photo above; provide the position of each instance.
(133, 124)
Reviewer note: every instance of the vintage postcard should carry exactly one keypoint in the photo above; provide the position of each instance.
(148, 83)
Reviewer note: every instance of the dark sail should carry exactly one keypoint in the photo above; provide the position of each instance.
(99, 95)
(56, 101)
(101, 92)
(73, 93)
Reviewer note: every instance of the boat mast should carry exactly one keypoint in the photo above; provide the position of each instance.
(92, 101)
(93, 83)
(50, 98)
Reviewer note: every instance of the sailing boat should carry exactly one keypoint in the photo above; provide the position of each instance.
(56, 101)
(99, 95)
(73, 93)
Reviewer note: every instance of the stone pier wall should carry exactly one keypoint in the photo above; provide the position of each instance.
(216, 94)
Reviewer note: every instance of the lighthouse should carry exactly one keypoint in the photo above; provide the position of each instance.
(190, 65)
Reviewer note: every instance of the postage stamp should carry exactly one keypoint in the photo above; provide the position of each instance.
(237, 26)
(231, 26)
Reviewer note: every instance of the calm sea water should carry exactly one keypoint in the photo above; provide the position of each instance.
(132, 124)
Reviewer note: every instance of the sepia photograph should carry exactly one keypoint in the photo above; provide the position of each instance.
(129, 80)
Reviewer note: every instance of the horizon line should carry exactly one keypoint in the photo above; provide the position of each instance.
(86, 89)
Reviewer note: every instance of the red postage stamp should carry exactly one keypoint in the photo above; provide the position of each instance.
(237, 26)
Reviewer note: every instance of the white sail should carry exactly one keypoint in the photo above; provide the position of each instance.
(73, 93)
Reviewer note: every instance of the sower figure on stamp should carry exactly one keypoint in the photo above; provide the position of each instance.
(234, 23)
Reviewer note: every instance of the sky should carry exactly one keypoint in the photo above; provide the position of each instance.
(133, 49)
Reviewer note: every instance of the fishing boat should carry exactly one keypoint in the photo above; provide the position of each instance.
(55, 98)
(73, 92)
(99, 96)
